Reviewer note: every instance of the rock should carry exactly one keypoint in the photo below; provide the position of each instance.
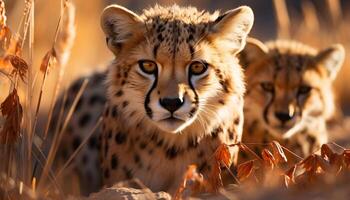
(117, 192)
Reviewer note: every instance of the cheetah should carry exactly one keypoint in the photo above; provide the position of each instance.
(173, 94)
(289, 94)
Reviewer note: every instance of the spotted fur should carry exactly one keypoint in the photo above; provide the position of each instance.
(289, 93)
(158, 122)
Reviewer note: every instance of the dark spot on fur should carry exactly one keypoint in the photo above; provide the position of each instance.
(84, 119)
(64, 153)
(76, 142)
(125, 103)
(92, 143)
(143, 145)
(243, 154)
(253, 127)
(114, 112)
(172, 152)
(106, 173)
(114, 161)
(202, 166)
(106, 149)
(106, 112)
(236, 121)
(192, 143)
(224, 85)
(119, 93)
(192, 112)
(160, 143)
(136, 158)
(154, 137)
(85, 159)
(79, 104)
(128, 172)
(109, 134)
(150, 151)
(96, 98)
(160, 37)
(120, 138)
(221, 101)
(200, 154)
(98, 78)
(76, 86)
(215, 132)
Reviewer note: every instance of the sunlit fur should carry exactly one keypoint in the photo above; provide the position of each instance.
(289, 66)
(212, 113)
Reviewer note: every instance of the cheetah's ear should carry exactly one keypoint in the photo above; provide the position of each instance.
(332, 59)
(120, 25)
(254, 50)
(230, 30)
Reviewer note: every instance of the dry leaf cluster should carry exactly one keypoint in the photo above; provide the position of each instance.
(269, 170)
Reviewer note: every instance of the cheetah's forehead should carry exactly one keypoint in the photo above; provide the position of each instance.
(185, 15)
(291, 47)
(173, 31)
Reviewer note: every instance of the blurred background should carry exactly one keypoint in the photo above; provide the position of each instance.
(319, 23)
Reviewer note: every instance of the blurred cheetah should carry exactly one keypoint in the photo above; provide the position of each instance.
(289, 93)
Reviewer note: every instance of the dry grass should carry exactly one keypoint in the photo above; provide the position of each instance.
(33, 73)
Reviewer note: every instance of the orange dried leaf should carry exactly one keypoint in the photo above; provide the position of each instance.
(291, 173)
(13, 113)
(190, 174)
(287, 181)
(214, 179)
(269, 160)
(326, 151)
(48, 60)
(309, 163)
(346, 157)
(278, 152)
(223, 155)
(336, 162)
(244, 170)
(19, 65)
(323, 164)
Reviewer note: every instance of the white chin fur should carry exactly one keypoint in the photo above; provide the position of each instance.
(174, 127)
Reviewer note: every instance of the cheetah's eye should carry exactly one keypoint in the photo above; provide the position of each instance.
(197, 68)
(304, 89)
(267, 86)
(147, 66)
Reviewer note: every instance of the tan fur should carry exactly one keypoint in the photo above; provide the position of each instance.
(289, 66)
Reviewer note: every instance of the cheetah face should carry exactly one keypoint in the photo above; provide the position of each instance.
(170, 66)
(172, 99)
(287, 88)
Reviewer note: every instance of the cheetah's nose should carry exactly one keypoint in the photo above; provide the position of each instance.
(171, 104)
(284, 117)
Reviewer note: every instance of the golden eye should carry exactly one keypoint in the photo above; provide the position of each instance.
(267, 86)
(147, 66)
(304, 89)
(197, 68)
